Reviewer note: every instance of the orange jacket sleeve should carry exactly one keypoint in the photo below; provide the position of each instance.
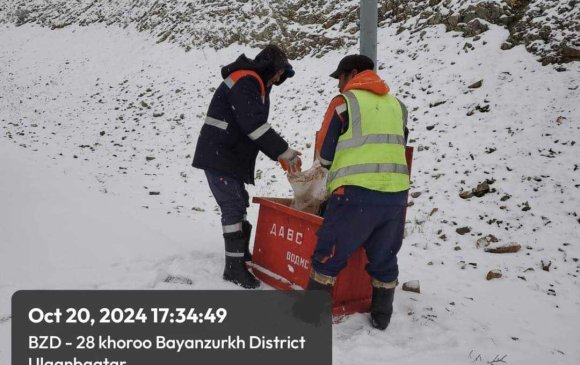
(321, 134)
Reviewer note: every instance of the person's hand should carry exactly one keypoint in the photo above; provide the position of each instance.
(290, 161)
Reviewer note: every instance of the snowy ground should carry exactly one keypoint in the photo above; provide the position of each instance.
(94, 119)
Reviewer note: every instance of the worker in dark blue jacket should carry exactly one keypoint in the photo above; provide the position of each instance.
(234, 132)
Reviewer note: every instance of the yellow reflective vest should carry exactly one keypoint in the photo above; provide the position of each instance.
(371, 153)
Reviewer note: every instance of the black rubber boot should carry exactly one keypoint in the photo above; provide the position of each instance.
(247, 229)
(235, 270)
(307, 308)
(315, 285)
(382, 307)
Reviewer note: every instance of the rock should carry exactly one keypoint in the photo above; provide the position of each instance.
(463, 230)
(433, 211)
(412, 286)
(486, 241)
(154, 193)
(508, 248)
(416, 194)
(149, 158)
(453, 20)
(506, 45)
(102, 133)
(483, 109)
(476, 85)
(481, 189)
(505, 197)
(546, 265)
(437, 103)
(465, 194)
(473, 28)
(526, 207)
(569, 54)
(494, 274)
(430, 127)
(158, 114)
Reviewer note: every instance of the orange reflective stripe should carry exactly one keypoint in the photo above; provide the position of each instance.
(236, 75)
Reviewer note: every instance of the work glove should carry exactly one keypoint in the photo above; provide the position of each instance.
(290, 161)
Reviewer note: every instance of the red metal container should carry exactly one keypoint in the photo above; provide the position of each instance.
(285, 240)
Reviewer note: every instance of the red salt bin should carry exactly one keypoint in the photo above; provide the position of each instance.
(285, 240)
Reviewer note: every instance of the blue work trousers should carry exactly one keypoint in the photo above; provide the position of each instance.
(348, 226)
(232, 198)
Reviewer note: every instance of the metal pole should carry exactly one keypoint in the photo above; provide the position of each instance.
(368, 29)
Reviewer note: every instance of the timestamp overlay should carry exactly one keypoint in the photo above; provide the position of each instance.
(146, 327)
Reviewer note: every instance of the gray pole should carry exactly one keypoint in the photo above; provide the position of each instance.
(368, 29)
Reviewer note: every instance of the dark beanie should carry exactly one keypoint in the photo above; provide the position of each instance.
(272, 59)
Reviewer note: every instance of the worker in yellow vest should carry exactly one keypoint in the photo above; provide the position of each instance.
(362, 144)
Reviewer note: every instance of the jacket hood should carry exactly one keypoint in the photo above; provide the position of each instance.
(368, 80)
(243, 63)
(265, 67)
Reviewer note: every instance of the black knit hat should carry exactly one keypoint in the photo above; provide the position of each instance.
(353, 62)
(272, 59)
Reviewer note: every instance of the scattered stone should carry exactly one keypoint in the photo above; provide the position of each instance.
(526, 207)
(158, 114)
(416, 194)
(149, 158)
(154, 193)
(437, 103)
(465, 194)
(486, 241)
(463, 230)
(505, 197)
(569, 54)
(102, 133)
(412, 286)
(546, 265)
(430, 127)
(481, 189)
(483, 109)
(508, 248)
(494, 274)
(476, 85)
(506, 45)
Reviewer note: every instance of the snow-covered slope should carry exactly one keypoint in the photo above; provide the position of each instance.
(96, 118)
